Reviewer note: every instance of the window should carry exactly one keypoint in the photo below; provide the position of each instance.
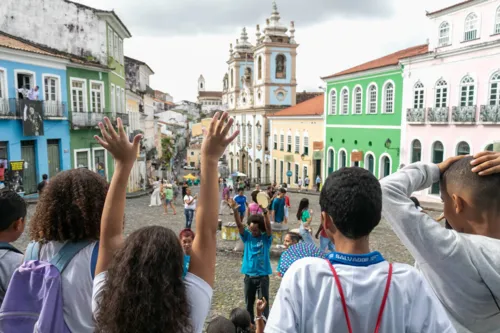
(239, 135)
(259, 67)
(110, 42)
(418, 96)
(372, 99)
(113, 100)
(96, 95)
(3, 86)
(304, 172)
(232, 78)
(357, 100)
(416, 151)
(243, 130)
(115, 47)
(282, 141)
(123, 101)
(289, 142)
(333, 101)
(281, 172)
(118, 100)
(120, 50)
(288, 168)
(497, 21)
(51, 88)
(259, 134)
(370, 162)
(385, 166)
(471, 26)
(489, 147)
(82, 159)
(467, 91)
(389, 98)
(231, 131)
(441, 94)
(463, 148)
(280, 66)
(444, 34)
(331, 161)
(306, 144)
(249, 134)
(275, 140)
(297, 173)
(78, 95)
(437, 157)
(342, 159)
(494, 96)
(297, 142)
(344, 101)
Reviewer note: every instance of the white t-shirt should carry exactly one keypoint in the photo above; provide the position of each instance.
(199, 294)
(76, 287)
(9, 262)
(189, 198)
(308, 300)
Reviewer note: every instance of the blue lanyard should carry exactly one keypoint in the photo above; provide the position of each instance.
(355, 259)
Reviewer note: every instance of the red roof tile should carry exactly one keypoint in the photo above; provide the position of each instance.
(389, 60)
(217, 94)
(15, 44)
(449, 7)
(311, 107)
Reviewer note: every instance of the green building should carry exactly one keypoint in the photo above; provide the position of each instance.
(96, 92)
(363, 114)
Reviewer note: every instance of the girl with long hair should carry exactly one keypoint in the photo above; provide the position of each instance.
(305, 218)
(139, 285)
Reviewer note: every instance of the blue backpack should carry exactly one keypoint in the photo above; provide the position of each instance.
(33, 302)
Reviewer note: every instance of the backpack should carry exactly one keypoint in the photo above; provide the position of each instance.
(33, 302)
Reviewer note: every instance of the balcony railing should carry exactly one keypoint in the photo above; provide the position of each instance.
(438, 115)
(92, 119)
(464, 114)
(415, 116)
(14, 108)
(489, 114)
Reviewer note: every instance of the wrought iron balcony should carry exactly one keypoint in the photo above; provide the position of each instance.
(124, 117)
(438, 115)
(14, 108)
(489, 114)
(415, 116)
(92, 119)
(464, 114)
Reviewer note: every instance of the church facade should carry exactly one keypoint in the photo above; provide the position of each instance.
(261, 80)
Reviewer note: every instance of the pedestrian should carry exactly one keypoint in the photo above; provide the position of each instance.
(186, 236)
(257, 187)
(318, 183)
(42, 184)
(156, 195)
(306, 183)
(241, 200)
(305, 218)
(254, 208)
(225, 197)
(168, 193)
(189, 207)
(299, 183)
(287, 206)
(325, 243)
(279, 207)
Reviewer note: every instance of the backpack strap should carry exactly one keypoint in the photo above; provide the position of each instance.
(32, 251)
(8, 247)
(68, 251)
(93, 260)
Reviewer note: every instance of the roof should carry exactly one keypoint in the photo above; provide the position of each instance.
(304, 96)
(311, 107)
(217, 94)
(138, 62)
(449, 7)
(388, 60)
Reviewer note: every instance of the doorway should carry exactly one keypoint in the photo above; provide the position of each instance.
(29, 156)
(54, 155)
(281, 172)
(317, 170)
(24, 81)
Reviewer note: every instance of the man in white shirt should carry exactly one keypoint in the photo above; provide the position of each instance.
(354, 290)
(31, 94)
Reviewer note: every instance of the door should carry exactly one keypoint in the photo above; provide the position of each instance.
(318, 170)
(331, 161)
(29, 157)
(259, 174)
(23, 82)
(53, 152)
(289, 168)
(437, 157)
(100, 162)
(281, 172)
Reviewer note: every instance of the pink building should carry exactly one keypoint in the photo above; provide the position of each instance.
(452, 93)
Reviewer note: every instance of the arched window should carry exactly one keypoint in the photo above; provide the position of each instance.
(416, 151)
(344, 101)
(372, 99)
(280, 66)
(232, 78)
(437, 157)
(444, 34)
(497, 21)
(357, 99)
(385, 166)
(463, 148)
(494, 96)
(259, 67)
(489, 147)
(467, 91)
(441, 94)
(370, 162)
(249, 134)
(342, 158)
(289, 142)
(331, 160)
(471, 27)
(333, 101)
(389, 98)
(418, 95)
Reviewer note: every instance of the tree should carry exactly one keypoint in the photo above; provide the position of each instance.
(167, 150)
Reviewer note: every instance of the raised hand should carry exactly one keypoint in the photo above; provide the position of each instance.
(486, 163)
(216, 139)
(118, 144)
(443, 166)
(232, 204)
(261, 306)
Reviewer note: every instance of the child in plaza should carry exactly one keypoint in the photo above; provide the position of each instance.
(355, 289)
(168, 194)
(12, 221)
(139, 285)
(241, 200)
(186, 236)
(256, 266)
(305, 219)
(278, 207)
(254, 208)
(189, 207)
(467, 258)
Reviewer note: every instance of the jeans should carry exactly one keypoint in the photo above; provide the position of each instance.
(189, 217)
(256, 285)
(325, 244)
(306, 235)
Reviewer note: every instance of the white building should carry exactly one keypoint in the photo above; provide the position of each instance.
(209, 100)
(261, 79)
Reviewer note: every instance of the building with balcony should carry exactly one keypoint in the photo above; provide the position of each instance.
(451, 95)
(297, 135)
(209, 100)
(33, 125)
(363, 114)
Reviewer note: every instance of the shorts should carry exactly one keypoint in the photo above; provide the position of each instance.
(286, 212)
(168, 201)
(242, 214)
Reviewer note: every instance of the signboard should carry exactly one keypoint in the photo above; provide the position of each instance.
(318, 155)
(32, 117)
(356, 156)
(317, 145)
(16, 175)
(289, 173)
(289, 158)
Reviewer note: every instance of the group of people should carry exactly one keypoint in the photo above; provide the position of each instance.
(80, 274)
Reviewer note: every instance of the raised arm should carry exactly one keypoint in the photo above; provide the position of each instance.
(267, 221)
(124, 153)
(202, 262)
(237, 218)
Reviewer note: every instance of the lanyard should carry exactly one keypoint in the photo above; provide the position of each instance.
(355, 259)
(344, 305)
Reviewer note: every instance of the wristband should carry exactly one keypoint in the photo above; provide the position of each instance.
(259, 318)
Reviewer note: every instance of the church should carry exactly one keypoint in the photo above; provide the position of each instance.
(261, 80)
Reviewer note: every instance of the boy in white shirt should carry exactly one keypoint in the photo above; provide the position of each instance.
(355, 290)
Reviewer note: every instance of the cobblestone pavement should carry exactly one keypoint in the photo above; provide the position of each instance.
(228, 292)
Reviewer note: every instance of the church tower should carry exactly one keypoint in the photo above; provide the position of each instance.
(275, 55)
(201, 83)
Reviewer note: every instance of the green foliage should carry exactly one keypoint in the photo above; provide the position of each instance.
(167, 150)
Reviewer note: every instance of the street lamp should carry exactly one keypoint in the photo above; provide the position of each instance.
(387, 145)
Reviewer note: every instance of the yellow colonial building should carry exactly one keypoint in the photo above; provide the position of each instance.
(296, 138)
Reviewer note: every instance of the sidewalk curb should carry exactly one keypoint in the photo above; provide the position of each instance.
(133, 195)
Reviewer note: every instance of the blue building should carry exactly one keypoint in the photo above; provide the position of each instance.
(33, 121)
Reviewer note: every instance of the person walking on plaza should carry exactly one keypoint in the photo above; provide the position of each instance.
(155, 196)
(306, 183)
(225, 197)
(287, 206)
(318, 183)
(278, 207)
(299, 184)
(325, 243)
(168, 194)
(305, 218)
(189, 207)
(241, 200)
